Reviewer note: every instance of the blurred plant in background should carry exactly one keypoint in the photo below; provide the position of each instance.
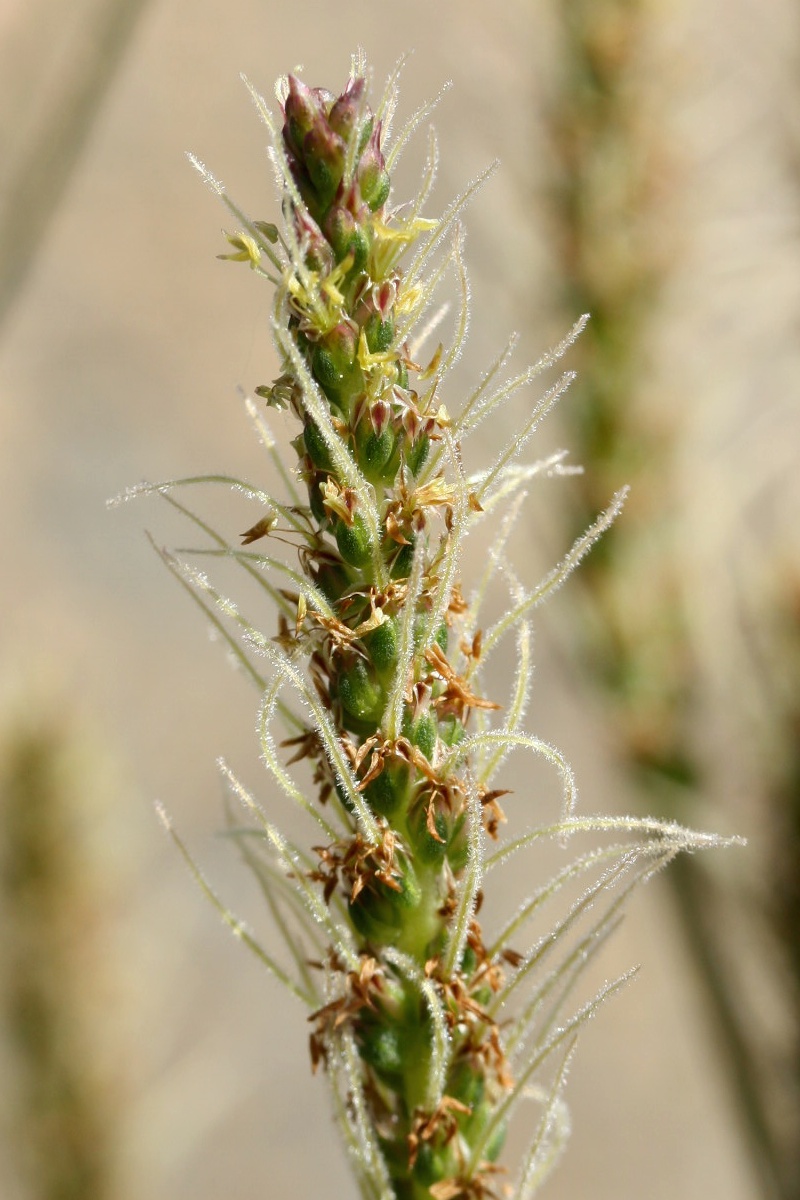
(43, 140)
(60, 1114)
(384, 653)
(614, 246)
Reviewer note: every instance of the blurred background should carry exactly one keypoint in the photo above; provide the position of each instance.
(650, 174)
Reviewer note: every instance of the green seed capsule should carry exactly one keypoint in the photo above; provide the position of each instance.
(458, 847)
(474, 1126)
(332, 581)
(380, 912)
(429, 849)
(469, 961)
(401, 567)
(386, 794)
(366, 922)
(353, 541)
(316, 447)
(359, 692)
(382, 1048)
(358, 246)
(376, 190)
(379, 334)
(432, 1165)
(417, 453)
(451, 731)
(423, 735)
(375, 451)
(333, 358)
(324, 368)
(467, 1084)
(381, 645)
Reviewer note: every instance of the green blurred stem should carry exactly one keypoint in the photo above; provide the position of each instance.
(32, 196)
(691, 896)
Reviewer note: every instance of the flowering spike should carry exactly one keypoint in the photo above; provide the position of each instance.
(383, 656)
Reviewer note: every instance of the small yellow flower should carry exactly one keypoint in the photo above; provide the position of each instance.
(246, 249)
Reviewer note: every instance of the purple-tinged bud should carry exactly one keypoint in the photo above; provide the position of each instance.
(317, 249)
(323, 156)
(375, 451)
(379, 414)
(302, 110)
(345, 111)
(346, 236)
(373, 179)
(384, 297)
(342, 345)
(340, 225)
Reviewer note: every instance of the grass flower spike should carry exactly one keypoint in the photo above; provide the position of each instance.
(434, 1033)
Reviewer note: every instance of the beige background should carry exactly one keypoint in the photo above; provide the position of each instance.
(120, 361)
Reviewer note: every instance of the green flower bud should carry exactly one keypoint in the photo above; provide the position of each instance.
(417, 453)
(315, 446)
(381, 645)
(467, 1084)
(421, 733)
(373, 179)
(458, 846)
(301, 111)
(323, 155)
(388, 793)
(451, 731)
(379, 912)
(347, 236)
(359, 692)
(430, 850)
(401, 567)
(379, 333)
(433, 1165)
(333, 357)
(353, 541)
(382, 1047)
(346, 109)
(375, 450)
